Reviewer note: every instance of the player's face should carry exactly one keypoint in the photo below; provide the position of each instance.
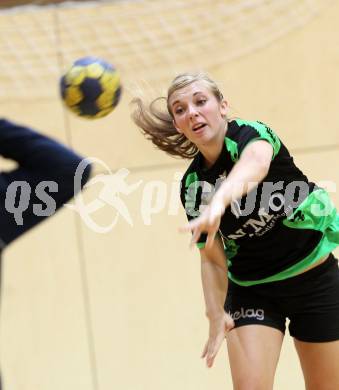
(197, 113)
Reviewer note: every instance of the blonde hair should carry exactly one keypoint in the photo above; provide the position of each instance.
(157, 124)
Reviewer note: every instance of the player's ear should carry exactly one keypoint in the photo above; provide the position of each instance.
(224, 108)
(176, 127)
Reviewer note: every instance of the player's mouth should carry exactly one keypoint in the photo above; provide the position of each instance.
(198, 127)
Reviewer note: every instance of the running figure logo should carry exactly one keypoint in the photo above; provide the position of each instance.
(114, 184)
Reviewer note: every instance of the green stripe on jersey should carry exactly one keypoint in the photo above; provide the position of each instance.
(264, 132)
(315, 212)
(191, 194)
(231, 248)
(191, 178)
(232, 148)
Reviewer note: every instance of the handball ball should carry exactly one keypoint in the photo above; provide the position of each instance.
(91, 88)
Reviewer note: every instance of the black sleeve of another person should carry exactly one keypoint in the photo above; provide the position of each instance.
(40, 159)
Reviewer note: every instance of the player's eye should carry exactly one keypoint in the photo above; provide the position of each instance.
(201, 102)
(179, 110)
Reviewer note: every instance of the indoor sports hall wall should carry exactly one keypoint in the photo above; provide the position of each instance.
(123, 309)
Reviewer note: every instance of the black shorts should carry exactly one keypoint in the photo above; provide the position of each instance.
(309, 300)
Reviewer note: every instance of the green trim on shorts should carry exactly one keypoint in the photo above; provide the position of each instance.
(315, 212)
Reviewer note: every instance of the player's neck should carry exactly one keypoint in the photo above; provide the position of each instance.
(212, 151)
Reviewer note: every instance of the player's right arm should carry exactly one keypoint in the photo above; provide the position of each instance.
(215, 285)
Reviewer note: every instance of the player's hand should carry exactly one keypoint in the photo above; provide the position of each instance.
(219, 326)
(208, 222)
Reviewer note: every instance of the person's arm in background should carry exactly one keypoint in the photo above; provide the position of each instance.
(44, 178)
(215, 284)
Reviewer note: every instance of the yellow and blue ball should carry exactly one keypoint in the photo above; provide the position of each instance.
(91, 88)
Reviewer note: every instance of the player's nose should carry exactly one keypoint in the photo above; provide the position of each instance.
(192, 111)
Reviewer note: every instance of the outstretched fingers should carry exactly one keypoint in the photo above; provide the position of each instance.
(213, 346)
(218, 330)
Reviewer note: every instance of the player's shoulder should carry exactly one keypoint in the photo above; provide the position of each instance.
(240, 127)
(241, 132)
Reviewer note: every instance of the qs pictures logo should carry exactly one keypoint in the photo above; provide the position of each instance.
(115, 188)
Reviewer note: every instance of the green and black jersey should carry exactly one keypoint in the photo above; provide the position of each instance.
(284, 225)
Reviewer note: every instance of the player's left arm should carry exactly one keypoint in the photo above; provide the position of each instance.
(247, 173)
